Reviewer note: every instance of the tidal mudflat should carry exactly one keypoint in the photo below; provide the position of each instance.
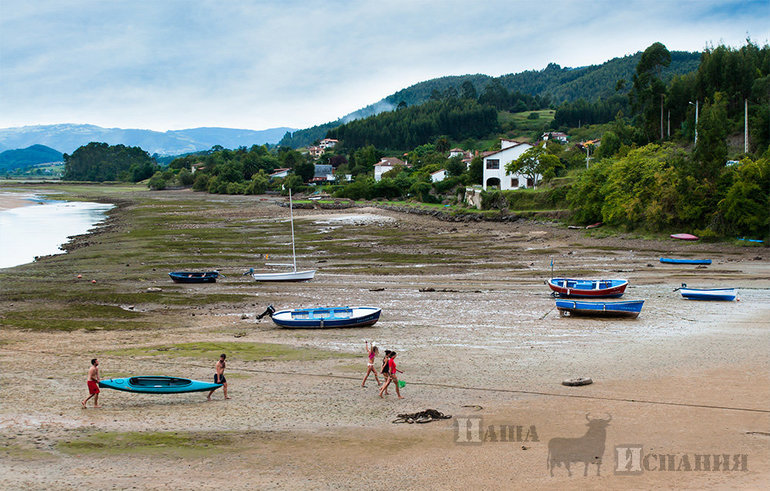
(464, 305)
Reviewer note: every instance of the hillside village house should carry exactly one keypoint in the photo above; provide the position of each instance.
(495, 175)
(279, 173)
(328, 143)
(385, 165)
(555, 135)
(438, 176)
(323, 173)
(315, 151)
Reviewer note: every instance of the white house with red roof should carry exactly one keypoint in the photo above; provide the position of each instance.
(386, 164)
(328, 143)
(279, 173)
(495, 176)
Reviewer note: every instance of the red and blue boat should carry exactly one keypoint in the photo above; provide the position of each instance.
(586, 288)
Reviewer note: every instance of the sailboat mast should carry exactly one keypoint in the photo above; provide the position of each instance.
(291, 214)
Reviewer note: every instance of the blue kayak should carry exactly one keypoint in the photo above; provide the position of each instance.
(158, 384)
(668, 260)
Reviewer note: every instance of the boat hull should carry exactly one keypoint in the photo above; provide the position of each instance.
(684, 236)
(629, 309)
(157, 384)
(578, 288)
(327, 317)
(668, 260)
(285, 276)
(712, 294)
(194, 277)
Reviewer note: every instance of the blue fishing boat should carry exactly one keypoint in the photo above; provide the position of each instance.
(668, 260)
(325, 317)
(157, 384)
(629, 309)
(194, 276)
(577, 288)
(719, 294)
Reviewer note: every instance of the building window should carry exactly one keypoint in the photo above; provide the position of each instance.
(514, 182)
(493, 164)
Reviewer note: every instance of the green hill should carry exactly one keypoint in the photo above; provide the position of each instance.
(27, 157)
(559, 84)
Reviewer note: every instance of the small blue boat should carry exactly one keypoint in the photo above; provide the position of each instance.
(667, 260)
(630, 308)
(157, 384)
(326, 317)
(718, 294)
(194, 276)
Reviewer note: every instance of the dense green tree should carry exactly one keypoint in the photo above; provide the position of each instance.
(534, 163)
(103, 162)
(648, 92)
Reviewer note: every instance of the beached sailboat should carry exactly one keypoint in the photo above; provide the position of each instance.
(294, 274)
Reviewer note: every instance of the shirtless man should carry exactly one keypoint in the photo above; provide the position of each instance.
(93, 383)
(219, 376)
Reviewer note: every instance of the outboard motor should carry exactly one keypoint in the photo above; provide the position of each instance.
(269, 311)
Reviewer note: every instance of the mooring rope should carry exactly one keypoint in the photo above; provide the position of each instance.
(444, 386)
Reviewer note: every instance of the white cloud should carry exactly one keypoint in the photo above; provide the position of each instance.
(179, 64)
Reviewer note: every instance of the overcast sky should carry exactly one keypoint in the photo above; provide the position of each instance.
(168, 64)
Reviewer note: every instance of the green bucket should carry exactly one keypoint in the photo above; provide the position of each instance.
(401, 384)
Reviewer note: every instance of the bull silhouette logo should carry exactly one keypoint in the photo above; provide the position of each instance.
(587, 449)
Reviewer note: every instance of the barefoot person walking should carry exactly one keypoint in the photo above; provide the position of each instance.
(93, 383)
(372, 353)
(219, 376)
(392, 377)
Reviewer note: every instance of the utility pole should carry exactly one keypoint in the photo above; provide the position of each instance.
(696, 121)
(745, 126)
(661, 117)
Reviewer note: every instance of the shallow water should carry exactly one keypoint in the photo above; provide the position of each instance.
(40, 229)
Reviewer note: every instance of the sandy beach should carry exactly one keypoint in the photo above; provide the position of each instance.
(481, 342)
(13, 200)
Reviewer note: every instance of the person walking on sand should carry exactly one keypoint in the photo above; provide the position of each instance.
(392, 377)
(92, 380)
(372, 352)
(219, 376)
(385, 371)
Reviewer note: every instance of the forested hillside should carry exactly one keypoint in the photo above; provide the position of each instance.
(645, 172)
(25, 157)
(554, 84)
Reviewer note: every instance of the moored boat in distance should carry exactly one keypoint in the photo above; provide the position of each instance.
(668, 260)
(326, 317)
(684, 236)
(587, 288)
(157, 384)
(630, 308)
(194, 276)
(718, 294)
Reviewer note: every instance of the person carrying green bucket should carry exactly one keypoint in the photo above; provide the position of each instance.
(392, 375)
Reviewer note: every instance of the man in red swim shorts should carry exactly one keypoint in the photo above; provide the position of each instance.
(93, 383)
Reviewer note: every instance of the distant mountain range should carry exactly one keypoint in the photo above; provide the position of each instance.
(25, 157)
(561, 84)
(67, 138)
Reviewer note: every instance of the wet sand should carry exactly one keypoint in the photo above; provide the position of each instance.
(685, 378)
(13, 200)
